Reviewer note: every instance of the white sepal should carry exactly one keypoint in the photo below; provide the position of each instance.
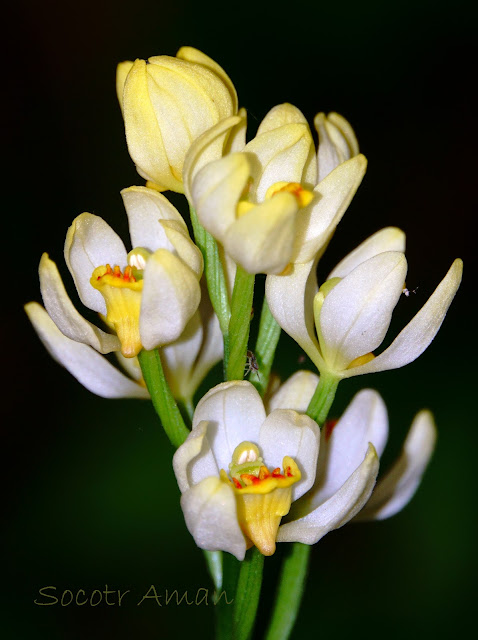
(399, 484)
(296, 392)
(145, 208)
(388, 239)
(341, 451)
(170, 297)
(412, 341)
(63, 313)
(338, 509)
(90, 243)
(356, 314)
(286, 432)
(91, 369)
(194, 460)
(236, 413)
(211, 517)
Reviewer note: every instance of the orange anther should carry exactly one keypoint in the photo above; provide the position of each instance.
(237, 484)
(117, 272)
(288, 472)
(263, 473)
(249, 479)
(276, 473)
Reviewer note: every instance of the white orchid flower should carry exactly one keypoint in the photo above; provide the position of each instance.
(234, 492)
(344, 480)
(146, 296)
(263, 201)
(343, 322)
(167, 102)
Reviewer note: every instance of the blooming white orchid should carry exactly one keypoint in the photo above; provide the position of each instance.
(146, 296)
(352, 310)
(232, 500)
(262, 200)
(167, 102)
(229, 469)
(336, 495)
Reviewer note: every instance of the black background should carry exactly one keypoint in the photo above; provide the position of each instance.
(89, 495)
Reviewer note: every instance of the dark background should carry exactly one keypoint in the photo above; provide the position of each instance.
(89, 494)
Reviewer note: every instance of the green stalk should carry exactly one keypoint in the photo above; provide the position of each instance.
(215, 278)
(241, 307)
(295, 566)
(290, 591)
(242, 583)
(247, 594)
(323, 399)
(266, 344)
(162, 398)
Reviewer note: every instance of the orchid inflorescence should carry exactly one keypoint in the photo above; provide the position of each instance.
(257, 463)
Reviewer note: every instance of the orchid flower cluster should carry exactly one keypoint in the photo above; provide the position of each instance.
(257, 462)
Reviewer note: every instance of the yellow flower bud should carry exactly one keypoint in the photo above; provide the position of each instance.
(168, 102)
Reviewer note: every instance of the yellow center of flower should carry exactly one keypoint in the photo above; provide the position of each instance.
(122, 294)
(263, 497)
(303, 196)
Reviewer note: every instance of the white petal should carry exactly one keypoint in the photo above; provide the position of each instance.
(337, 142)
(145, 207)
(398, 486)
(412, 341)
(171, 295)
(338, 509)
(183, 246)
(212, 347)
(236, 140)
(193, 461)
(290, 299)
(280, 115)
(364, 421)
(356, 314)
(206, 148)
(178, 358)
(91, 369)
(281, 154)
(235, 413)
(65, 316)
(388, 239)
(90, 243)
(333, 195)
(211, 517)
(194, 55)
(296, 392)
(216, 191)
(261, 240)
(288, 433)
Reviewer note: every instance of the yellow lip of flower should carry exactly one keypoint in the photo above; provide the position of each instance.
(122, 294)
(303, 196)
(263, 497)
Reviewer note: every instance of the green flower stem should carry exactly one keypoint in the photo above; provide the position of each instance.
(224, 608)
(162, 398)
(323, 399)
(247, 593)
(241, 307)
(267, 339)
(215, 278)
(295, 566)
(242, 582)
(289, 593)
